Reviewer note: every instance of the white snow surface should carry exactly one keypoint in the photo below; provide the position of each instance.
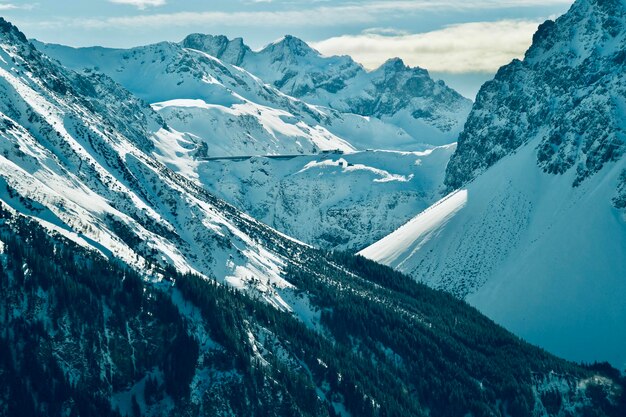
(409, 238)
(247, 129)
(539, 243)
(332, 201)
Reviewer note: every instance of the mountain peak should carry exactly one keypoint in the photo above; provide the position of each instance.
(397, 65)
(581, 54)
(200, 39)
(7, 28)
(291, 44)
(590, 27)
(394, 63)
(231, 51)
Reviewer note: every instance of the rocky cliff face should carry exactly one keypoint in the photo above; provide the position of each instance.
(230, 51)
(566, 96)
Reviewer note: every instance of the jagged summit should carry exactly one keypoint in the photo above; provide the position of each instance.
(234, 51)
(8, 29)
(573, 69)
(600, 31)
(288, 51)
(289, 45)
(231, 51)
(396, 64)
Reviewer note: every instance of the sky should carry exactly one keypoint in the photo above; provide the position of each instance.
(462, 42)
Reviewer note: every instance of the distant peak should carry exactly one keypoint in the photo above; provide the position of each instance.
(202, 36)
(395, 63)
(204, 40)
(398, 65)
(293, 45)
(218, 46)
(290, 40)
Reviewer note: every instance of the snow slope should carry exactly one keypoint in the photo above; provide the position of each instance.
(396, 248)
(76, 155)
(220, 108)
(541, 258)
(332, 201)
(246, 129)
(535, 236)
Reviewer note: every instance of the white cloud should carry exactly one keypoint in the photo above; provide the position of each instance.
(367, 12)
(293, 18)
(468, 47)
(385, 32)
(140, 4)
(11, 6)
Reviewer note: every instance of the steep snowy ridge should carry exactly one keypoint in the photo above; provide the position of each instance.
(220, 108)
(538, 243)
(76, 156)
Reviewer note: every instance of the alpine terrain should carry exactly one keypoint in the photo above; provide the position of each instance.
(225, 115)
(395, 93)
(533, 232)
(128, 289)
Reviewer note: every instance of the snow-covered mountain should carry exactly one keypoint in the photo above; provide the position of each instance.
(204, 92)
(223, 110)
(77, 157)
(535, 233)
(395, 93)
(117, 277)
